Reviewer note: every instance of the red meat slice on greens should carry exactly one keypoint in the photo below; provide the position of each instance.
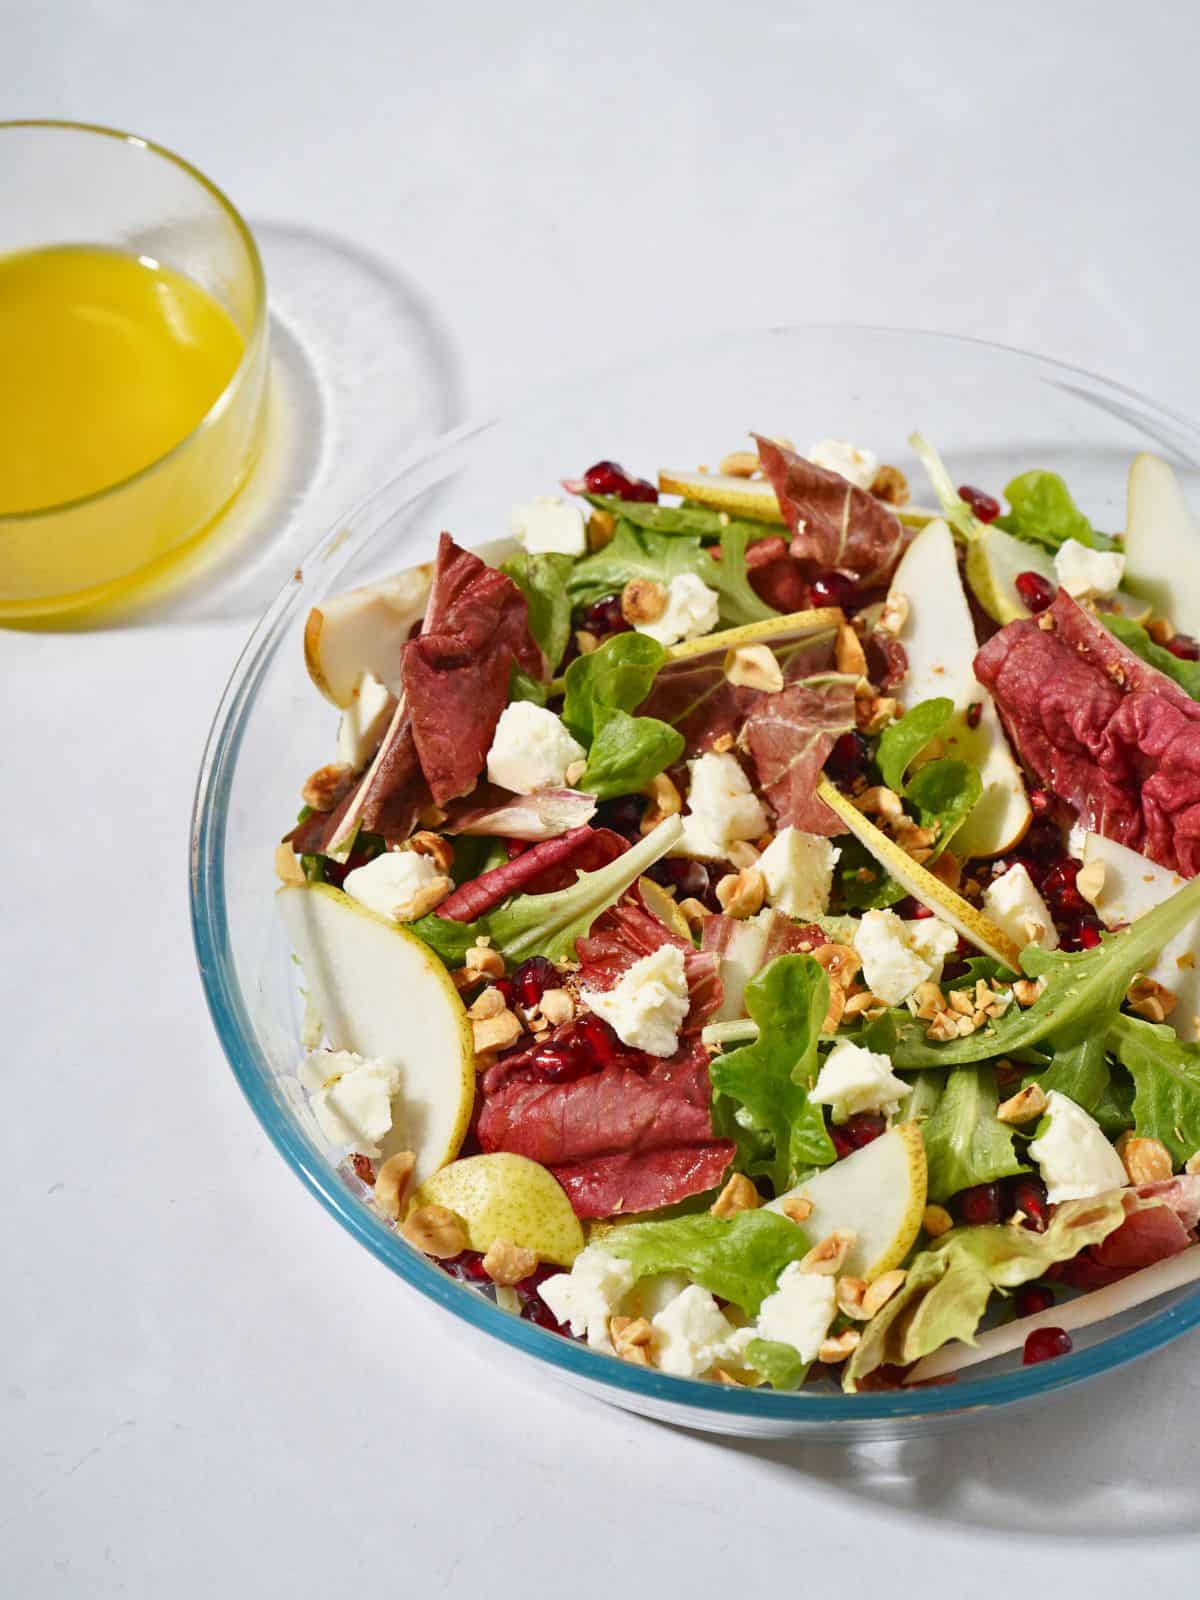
(789, 735)
(1102, 729)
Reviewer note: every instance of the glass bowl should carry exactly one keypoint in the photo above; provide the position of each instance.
(66, 183)
(991, 411)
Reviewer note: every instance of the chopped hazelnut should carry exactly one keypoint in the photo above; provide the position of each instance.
(435, 1230)
(741, 894)
(1024, 1106)
(754, 666)
(507, 1263)
(739, 1194)
(1146, 1160)
(328, 786)
(936, 1221)
(739, 464)
(891, 486)
(392, 1180)
(643, 600)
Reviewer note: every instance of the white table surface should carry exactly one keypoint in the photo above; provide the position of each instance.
(207, 1388)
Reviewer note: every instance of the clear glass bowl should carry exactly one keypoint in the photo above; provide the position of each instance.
(991, 411)
(66, 183)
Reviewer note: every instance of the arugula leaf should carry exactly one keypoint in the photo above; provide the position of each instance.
(1134, 637)
(1079, 1070)
(943, 794)
(901, 742)
(780, 1364)
(695, 520)
(731, 579)
(770, 1079)
(1083, 990)
(635, 553)
(1044, 513)
(549, 924)
(865, 886)
(627, 752)
(965, 1142)
(542, 579)
(739, 1257)
(619, 675)
(948, 1287)
(1166, 1076)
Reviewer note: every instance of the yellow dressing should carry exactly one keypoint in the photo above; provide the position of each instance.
(107, 361)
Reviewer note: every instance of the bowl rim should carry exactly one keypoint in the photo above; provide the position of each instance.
(251, 346)
(821, 1411)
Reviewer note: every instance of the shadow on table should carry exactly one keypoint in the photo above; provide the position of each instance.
(362, 372)
(1118, 1458)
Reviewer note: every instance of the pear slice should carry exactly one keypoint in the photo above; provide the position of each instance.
(878, 1193)
(366, 629)
(1162, 543)
(510, 1198)
(995, 559)
(981, 931)
(1133, 885)
(383, 993)
(792, 626)
(752, 499)
(939, 640)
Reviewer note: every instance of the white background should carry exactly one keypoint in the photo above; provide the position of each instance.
(206, 1387)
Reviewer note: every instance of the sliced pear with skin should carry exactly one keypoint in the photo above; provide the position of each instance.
(1162, 543)
(995, 559)
(366, 629)
(939, 640)
(1133, 885)
(878, 1193)
(793, 626)
(979, 930)
(381, 992)
(509, 1198)
(752, 499)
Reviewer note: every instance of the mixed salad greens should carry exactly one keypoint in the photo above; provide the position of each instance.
(756, 931)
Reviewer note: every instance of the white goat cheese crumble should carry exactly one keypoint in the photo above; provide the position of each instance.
(350, 1097)
(1075, 1158)
(647, 1004)
(692, 609)
(853, 1079)
(531, 749)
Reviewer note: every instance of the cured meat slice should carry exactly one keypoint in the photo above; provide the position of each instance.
(789, 735)
(627, 932)
(1104, 730)
(542, 869)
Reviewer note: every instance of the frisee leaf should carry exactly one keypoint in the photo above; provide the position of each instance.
(739, 1257)
(1166, 1077)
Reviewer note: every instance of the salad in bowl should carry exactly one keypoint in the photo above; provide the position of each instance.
(748, 921)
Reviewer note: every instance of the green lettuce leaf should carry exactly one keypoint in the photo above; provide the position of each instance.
(542, 579)
(1134, 637)
(780, 1364)
(1044, 513)
(522, 687)
(1079, 1070)
(862, 882)
(1083, 991)
(602, 689)
(695, 520)
(739, 1257)
(761, 1091)
(1166, 1077)
(635, 552)
(943, 794)
(948, 1286)
(549, 924)
(901, 742)
(627, 752)
(965, 1141)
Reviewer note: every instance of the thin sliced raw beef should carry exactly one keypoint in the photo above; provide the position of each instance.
(1150, 1233)
(1104, 730)
(695, 696)
(627, 932)
(789, 735)
(456, 672)
(622, 1139)
(542, 869)
(834, 524)
(496, 814)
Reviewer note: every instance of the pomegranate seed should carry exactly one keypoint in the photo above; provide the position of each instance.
(1043, 1344)
(1058, 886)
(691, 880)
(985, 506)
(1027, 1194)
(1082, 934)
(1035, 591)
(1185, 647)
(538, 1312)
(1089, 936)
(1032, 1300)
(607, 477)
(974, 713)
(623, 815)
(978, 1205)
(363, 1170)
(604, 617)
(842, 1145)
(466, 1267)
(863, 1128)
(558, 1062)
(596, 1042)
(849, 758)
(533, 977)
(912, 910)
(831, 589)
(508, 989)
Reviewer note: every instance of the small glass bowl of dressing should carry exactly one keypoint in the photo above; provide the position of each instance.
(133, 363)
